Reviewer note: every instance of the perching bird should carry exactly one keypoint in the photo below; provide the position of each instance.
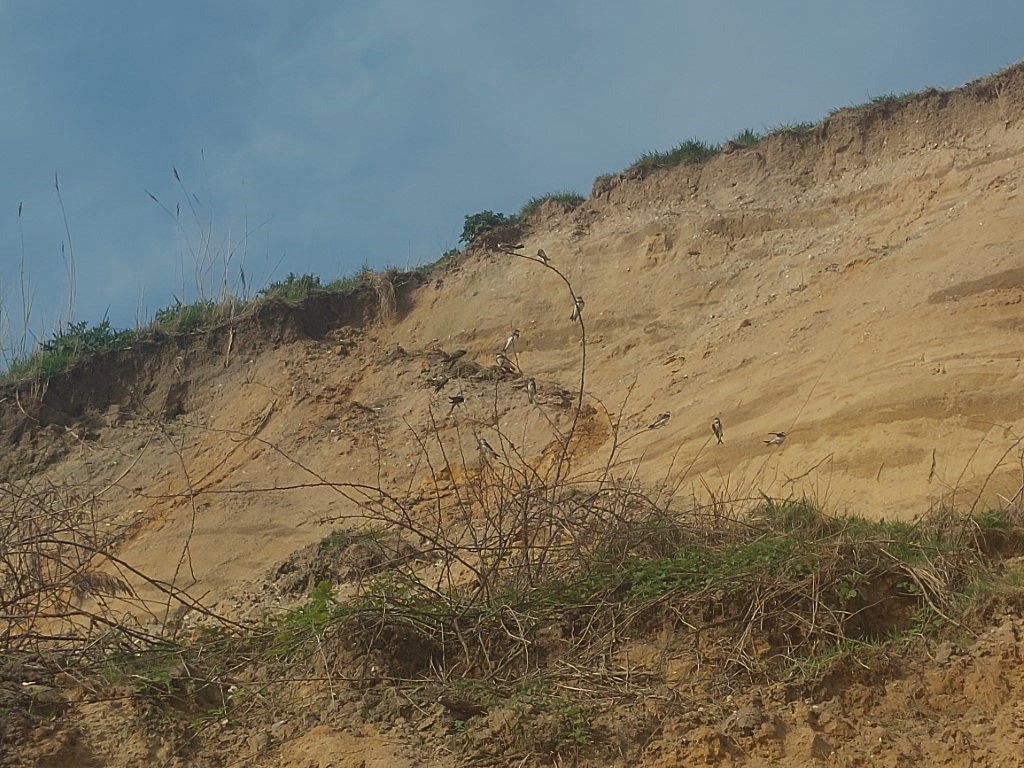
(456, 401)
(449, 359)
(577, 309)
(531, 390)
(542, 256)
(716, 427)
(439, 382)
(511, 340)
(486, 452)
(462, 709)
(503, 362)
(661, 421)
(777, 440)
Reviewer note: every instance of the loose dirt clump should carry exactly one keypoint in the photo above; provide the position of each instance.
(340, 558)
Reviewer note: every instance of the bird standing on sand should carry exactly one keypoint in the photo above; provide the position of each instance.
(486, 452)
(542, 256)
(456, 401)
(531, 390)
(439, 382)
(503, 362)
(716, 427)
(511, 340)
(577, 309)
(778, 439)
(661, 421)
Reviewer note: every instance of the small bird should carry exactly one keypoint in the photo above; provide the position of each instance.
(777, 440)
(508, 248)
(461, 709)
(503, 362)
(449, 359)
(716, 427)
(531, 390)
(577, 309)
(486, 452)
(661, 421)
(542, 256)
(456, 401)
(511, 340)
(439, 382)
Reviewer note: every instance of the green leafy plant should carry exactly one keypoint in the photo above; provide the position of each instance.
(293, 288)
(481, 223)
(316, 612)
(68, 346)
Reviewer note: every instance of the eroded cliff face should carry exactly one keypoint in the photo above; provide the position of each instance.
(857, 286)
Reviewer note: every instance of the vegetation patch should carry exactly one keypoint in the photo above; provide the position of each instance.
(689, 151)
(67, 347)
(566, 199)
(746, 138)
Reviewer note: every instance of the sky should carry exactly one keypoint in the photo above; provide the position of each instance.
(157, 152)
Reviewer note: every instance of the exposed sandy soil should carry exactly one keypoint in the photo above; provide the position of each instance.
(859, 287)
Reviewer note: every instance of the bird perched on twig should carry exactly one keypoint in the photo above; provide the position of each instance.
(716, 427)
(661, 421)
(456, 401)
(531, 390)
(542, 256)
(511, 340)
(778, 439)
(503, 362)
(486, 452)
(577, 309)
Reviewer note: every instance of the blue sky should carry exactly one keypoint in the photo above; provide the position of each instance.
(323, 136)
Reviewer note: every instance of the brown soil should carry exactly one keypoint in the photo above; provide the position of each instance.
(860, 287)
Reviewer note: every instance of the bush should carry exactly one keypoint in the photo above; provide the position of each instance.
(481, 223)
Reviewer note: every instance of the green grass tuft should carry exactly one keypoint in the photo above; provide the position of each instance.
(689, 151)
(567, 198)
(188, 318)
(746, 138)
(293, 289)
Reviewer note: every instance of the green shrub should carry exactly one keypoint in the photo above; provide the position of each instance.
(481, 223)
(68, 346)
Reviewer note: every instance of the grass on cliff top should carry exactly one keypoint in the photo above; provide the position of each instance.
(76, 342)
